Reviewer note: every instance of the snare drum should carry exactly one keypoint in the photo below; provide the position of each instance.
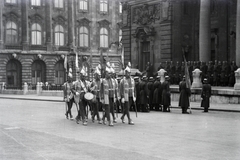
(88, 96)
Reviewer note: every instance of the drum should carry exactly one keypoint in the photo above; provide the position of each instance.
(88, 96)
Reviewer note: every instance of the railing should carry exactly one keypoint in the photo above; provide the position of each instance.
(52, 87)
(38, 47)
(13, 47)
(13, 87)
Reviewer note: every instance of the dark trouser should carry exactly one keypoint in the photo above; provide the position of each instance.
(205, 109)
(111, 110)
(69, 107)
(106, 112)
(184, 109)
(95, 109)
(126, 107)
(82, 109)
(165, 107)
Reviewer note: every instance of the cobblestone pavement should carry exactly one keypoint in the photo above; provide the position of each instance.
(33, 129)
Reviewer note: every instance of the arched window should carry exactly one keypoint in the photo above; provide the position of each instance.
(83, 37)
(83, 5)
(120, 35)
(120, 7)
(38, 71)
(36, 2)
(103, 5)
(59, 35)
(58, 3)
(103, 37)
(59, 72)
(36, 37)
(11, 33)
(11, 1)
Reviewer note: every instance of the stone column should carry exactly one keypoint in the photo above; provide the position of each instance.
(205, 32)
(48, 11)
(25, 88)
(1, 25)
(25, 27)
(238, 34)
(70, 23)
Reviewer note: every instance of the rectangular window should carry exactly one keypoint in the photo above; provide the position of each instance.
(120, 7)
(83, 5)
(36, 38)
(58, 3)
(11, 1)
(59, 39)
(104, 6)
(36, 2)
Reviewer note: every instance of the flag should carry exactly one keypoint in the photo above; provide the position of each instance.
(187, 77)
(65, 63)
(122, 56)
(76, 60)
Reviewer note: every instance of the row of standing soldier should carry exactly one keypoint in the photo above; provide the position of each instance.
(219, 73)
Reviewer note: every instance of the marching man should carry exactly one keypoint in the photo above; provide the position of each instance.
(128, 95)
(68, 96)
(107, 96)
(79, 88)
(95, 88)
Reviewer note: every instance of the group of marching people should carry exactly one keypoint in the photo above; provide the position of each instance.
(105, 94)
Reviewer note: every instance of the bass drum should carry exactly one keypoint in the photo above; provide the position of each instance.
(88, 96)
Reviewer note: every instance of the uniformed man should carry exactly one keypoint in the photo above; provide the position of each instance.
(184, 96)
(143, 99)
(107, 96)
(156, 94)
(79, 88)
(95, 89)
(205, 95)
(128, 94)
(166, 95)
(137, 86)
(150, 91)
(68, 96)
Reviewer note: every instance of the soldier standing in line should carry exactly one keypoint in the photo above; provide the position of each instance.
(184, 96)
(203, 68)
(95, 88)
(190, 70)
(119, 104)
(156, 94)
(137, 82)
(219, 70)
(150, 91)
(106, 99)
(210, 72)
(128, 94)
(143, 99)
(172, 72)
(205, 95)
(166, 95)
(178, 73)
(232, 74)
(68, 96)
(215, 73)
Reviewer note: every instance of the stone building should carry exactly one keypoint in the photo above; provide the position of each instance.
(36, 36)
(162, 30)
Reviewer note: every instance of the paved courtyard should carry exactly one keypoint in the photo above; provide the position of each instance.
(38, 130)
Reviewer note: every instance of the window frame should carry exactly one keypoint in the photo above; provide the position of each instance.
(105, 46)
(34, 5)
(84, 35)
(59, 32)
(41, 34)
(17, 32)
(85, 2)
(57, 7)
(10, 3)
(104, 2)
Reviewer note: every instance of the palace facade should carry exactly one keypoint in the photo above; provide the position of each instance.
(158, 31)
(37, 35)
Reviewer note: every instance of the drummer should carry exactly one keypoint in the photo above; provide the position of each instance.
(106, 88)
(79, 88)
(95, 89)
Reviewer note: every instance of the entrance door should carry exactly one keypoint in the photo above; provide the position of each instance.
(14, 74)
(145, 55)
(38, 72)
